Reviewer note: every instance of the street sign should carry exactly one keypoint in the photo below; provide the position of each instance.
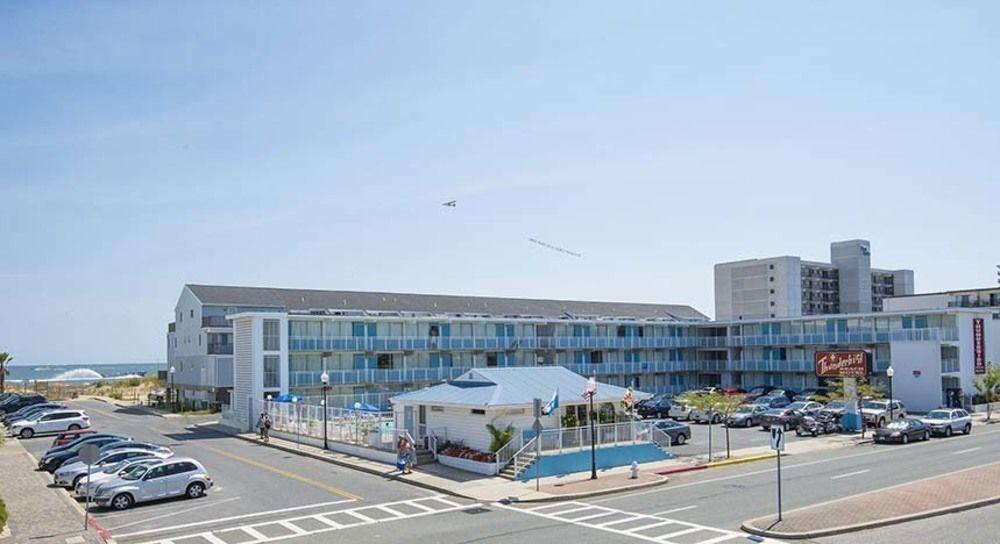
(777, 439)
(89, 454)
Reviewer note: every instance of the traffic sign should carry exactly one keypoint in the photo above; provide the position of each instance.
(537, 427)
(89, 454)
(777, 439)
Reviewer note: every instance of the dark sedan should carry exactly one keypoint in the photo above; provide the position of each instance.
(656, 407)
(785, 418)
(756, 392)
(902, 431)
(679, 433)
(16, 402)
(56, 457)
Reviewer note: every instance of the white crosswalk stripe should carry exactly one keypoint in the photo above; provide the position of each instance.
(296, 526)
(633, 524)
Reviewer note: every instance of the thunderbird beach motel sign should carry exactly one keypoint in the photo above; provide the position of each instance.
(978, 347)
(842, 364)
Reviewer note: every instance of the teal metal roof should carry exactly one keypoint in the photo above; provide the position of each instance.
(514, 386)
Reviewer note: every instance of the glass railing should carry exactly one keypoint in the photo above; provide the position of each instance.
(870, 336)
(305, 343)
(220, 349)
(215, 321)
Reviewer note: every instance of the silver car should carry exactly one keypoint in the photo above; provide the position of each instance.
(117, 470)
(176, 477)
(948, 421)
(71, 474)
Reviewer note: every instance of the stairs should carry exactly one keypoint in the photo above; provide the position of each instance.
(424, 456)
(524, 461)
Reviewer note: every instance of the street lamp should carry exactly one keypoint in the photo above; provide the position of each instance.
(590, 391)
(357, 423)
(889, 372)
(173, 394)
(325, 379)
(298, 416)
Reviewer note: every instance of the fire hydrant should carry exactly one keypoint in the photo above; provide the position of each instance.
(635, 470)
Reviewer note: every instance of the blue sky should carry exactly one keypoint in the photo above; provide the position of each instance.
(148, 145)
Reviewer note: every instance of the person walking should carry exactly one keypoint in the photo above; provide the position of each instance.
(260, 425)
(267, 428)
(404, 454)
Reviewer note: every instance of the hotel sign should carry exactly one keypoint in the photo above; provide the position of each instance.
(978, 346)
(842, 364)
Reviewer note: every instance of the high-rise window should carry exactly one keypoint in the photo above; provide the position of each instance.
(272, 335)
(272, 364)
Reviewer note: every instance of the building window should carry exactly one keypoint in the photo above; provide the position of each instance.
(772, 291)
(383, 361)
(772, 303)
(272, 364)
(771, 279)
(491, 359)
(770, 266)
(505, 330)
(192, 313)
(478, 412)
(272, 335)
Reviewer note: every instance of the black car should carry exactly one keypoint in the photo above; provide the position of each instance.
(785, 418)
(679, 433)
(16, 402)
(51, 461)
(31, 410)
(903, 431)
(760, 391)
(654, 408)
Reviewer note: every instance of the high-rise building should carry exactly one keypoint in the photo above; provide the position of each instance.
(790, 286)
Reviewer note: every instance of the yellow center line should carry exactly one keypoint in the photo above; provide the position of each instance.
(284, 473)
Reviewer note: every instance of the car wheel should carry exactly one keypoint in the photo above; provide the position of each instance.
(947, 430)
(927, 435)
(122, 502)
(195, 490)
(815, 434)
(881, 422)
(906, 438)
(74, 427)
(748, 424)
(967, 429)
(76, 481)
(786, 427)
(680, 439)
(27, 433)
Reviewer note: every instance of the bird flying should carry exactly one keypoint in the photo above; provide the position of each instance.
(450, 203)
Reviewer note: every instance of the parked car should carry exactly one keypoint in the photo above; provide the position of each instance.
(69, 474)
(679, 411)
(30, 410)
(780, 392)
(815, 393)
(785, 418)
(733, 390)
(835, 407)
(947, 421)
(818, 423)
(806, 406)
(50, 422)
(56, 457)
(15, 402)
(679, 433)
(123, 444)
(903, 431)
(773, 402)
(172, 478)
(747, 415)
(654, 407)
(117, 470)
(876, 412)
(708, 390)
(700, 416)
(66, 437)
(759, 391)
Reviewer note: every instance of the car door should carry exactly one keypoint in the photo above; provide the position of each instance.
(178, 478)
(154, 484)
(49, 423)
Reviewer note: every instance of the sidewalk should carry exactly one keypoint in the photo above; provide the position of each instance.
(961, 490)
(38, 513)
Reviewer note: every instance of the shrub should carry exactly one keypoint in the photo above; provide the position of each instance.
(133, 382)
(3, 515)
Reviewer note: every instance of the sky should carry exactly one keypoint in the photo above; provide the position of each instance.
(145, 145)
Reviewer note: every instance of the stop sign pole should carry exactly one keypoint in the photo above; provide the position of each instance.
(89, 455)
(778, 445)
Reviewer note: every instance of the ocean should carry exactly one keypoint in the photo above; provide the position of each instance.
(84, 372)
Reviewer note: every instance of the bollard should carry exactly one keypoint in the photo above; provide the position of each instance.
(635, 470)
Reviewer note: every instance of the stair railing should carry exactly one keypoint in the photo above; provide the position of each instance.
(519, 464)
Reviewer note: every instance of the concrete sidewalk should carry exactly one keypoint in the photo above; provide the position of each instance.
(37, 513)
(961, 490)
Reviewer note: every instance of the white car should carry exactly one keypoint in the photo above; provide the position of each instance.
(679, 411)
(56, 421)
(876, 413)
(699, 416)
(948, 421)
(70, 474)
(178, 477)
(117, 470)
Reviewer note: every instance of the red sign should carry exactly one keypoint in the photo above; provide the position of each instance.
(842, 364)
(978, 347)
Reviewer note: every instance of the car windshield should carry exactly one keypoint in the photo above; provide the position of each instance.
(836, 404)
(939, 414)
(875, 405)
(113, 468)
(135, 472)
(745, 409)
(898, 425)
(797, 405)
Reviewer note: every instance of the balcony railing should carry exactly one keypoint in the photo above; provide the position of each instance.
(220, 349)
(302, 343)
(870, 336)
(215, 321)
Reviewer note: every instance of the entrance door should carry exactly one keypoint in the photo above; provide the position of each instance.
(408, 420)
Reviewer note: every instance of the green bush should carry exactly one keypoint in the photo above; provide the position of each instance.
(133, 382)
(3, 515)
(117, 395)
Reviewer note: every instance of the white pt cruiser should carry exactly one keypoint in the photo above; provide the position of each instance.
(170, 478)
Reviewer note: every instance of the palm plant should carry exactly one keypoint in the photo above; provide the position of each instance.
(5, 358)
(989, 387)
(498, 437)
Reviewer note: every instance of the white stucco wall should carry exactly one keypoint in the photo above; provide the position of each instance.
(919, 393)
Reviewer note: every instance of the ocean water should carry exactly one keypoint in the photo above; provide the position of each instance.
(84, 372)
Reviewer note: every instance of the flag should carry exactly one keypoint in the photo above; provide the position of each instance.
(552, 404)
(628, 399)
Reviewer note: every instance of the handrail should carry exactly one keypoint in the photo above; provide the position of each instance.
(517, 456)
(508, 450)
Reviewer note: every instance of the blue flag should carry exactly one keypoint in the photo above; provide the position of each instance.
(552, 404)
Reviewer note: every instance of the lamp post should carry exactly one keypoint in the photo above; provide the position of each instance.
(357, 422)
(298, 416)
(590, 392)
(325, 379)
(173, 393)
(889, 372)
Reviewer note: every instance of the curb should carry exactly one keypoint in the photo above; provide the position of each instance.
(609, 491)
(748, 527)
(681, 469)
(741, 460)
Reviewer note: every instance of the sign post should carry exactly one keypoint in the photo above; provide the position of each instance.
(537, 427)
(778, 445)
(588, 393)
(848, 366)
(89, 455)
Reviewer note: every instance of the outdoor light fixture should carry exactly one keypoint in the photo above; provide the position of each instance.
(173, 394)
(889, 372)
(324, 378)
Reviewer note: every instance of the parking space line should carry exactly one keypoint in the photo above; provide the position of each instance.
(292, 527)
(722, 538)
(617, 521)
(396, 513)
(970, 450)
(855, 473)
(330, 522)
(689, 530)
(212, 538)
(282, 472)
(257, 535)
(169, 514)
(360, 516)
(672, 510)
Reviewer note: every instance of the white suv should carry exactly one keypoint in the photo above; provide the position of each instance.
(170, 478)
(947, 421)
(56, 421)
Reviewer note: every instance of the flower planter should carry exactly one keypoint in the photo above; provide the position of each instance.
(468, 465)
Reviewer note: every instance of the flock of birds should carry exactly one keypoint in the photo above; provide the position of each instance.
(546, 245)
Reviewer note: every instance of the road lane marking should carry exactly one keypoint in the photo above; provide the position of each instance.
(671, 511)
(855, 473)
(170, 514)
(900, 451)
(297, 531)
(285, 473)
(970, 450)
(232, 518)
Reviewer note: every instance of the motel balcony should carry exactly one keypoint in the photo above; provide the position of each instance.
(502, 343)
(865, 336)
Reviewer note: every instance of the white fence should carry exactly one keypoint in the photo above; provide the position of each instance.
(356, 427)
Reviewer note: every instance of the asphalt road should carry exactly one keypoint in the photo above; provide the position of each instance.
(264, 495)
